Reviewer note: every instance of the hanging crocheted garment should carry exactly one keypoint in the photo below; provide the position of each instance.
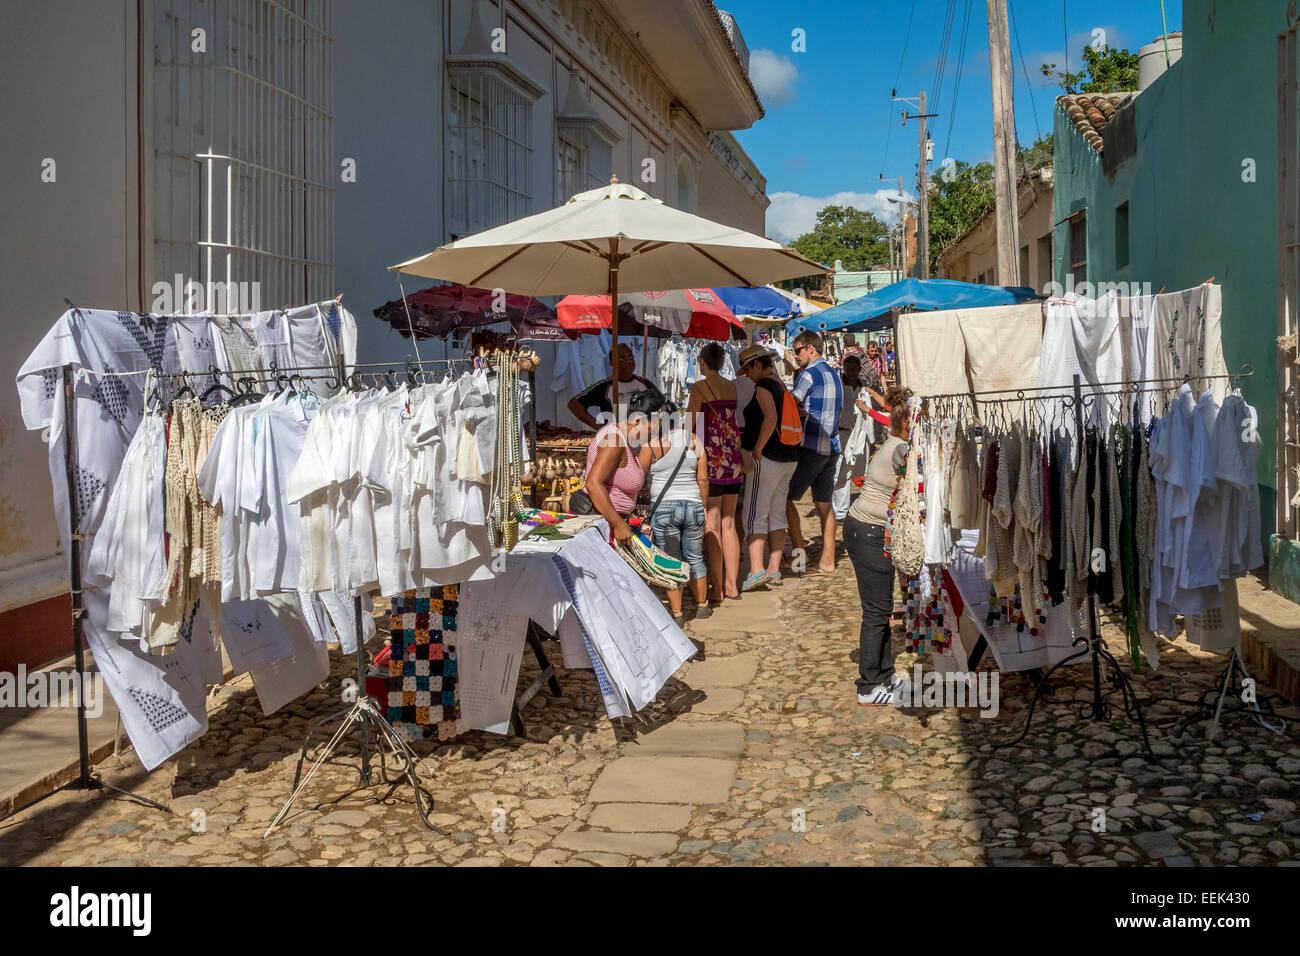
(423, 701)
(1011, 610)
(925, 627)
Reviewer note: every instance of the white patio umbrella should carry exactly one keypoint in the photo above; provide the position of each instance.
(605, 239)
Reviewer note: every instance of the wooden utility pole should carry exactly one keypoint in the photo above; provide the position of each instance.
(922, 183)
(1007, 209)
(902, 232)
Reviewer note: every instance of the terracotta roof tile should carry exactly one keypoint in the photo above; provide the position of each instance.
(1091, 112)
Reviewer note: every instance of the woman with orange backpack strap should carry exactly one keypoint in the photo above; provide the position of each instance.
(772, 435)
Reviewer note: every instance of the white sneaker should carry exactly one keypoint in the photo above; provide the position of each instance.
(882, 694)
(878, 696)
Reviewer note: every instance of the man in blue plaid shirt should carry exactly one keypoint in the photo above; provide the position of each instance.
(818, 391)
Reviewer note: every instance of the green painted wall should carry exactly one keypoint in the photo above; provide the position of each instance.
(1191, 216)
(853, 285)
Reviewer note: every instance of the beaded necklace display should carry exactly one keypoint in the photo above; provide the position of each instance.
(502, 519)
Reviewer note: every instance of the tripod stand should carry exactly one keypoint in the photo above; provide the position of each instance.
(362, 717)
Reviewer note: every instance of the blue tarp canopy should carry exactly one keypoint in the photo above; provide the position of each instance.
(873, 312)
(764, 301)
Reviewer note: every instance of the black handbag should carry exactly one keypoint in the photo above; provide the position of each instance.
(580, 502)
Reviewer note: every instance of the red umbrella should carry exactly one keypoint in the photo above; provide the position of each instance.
(693, 313)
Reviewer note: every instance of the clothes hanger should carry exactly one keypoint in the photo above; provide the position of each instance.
(152, 398)
(302, 388)
(247, 393)
(216, 385)
(184, 391)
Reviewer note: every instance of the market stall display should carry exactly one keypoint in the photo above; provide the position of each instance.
(1137, 494)
(185, 461)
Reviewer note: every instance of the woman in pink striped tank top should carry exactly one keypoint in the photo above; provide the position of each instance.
(614, 475)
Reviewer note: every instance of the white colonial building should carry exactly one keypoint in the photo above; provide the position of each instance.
(295, 148)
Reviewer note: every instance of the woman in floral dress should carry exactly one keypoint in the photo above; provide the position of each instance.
(712, 414)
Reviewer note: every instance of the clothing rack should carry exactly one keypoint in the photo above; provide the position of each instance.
(362, 716)
(1130, 387)
(340, 378)
(1230, 686)
(1092, 646)
(84, 780)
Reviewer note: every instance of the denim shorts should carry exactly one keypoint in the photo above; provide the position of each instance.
(678, 528)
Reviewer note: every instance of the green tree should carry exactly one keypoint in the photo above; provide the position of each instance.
(959, 195)
(855, 237)
(1040, 154)
(1108, 70)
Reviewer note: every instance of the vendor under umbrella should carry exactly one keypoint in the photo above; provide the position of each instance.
(598, 396)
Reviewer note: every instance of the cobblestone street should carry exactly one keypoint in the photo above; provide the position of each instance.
(757, 753)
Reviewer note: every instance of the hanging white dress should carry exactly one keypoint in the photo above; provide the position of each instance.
(1081, 336)
(938, 532)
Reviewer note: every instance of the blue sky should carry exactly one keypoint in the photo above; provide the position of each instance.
(830, 131)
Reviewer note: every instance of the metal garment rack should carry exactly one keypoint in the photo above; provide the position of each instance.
(84, 780)
(362, 716)
(1092, 646)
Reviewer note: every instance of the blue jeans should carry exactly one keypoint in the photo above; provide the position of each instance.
(678, 528)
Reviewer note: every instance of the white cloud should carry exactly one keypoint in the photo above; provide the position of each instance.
(774, 77)
(792, 214)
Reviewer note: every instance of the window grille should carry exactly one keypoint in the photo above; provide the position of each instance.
(489, 152)
(570, 167)
(244, 166)
(1079, 247)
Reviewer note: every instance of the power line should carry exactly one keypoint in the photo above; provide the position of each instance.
(1029, 90)
(941, 66)
(956, 85)
(1065, 29)
(941, 59)
(906, 36)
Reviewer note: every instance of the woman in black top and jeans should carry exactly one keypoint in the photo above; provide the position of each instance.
(774, 464)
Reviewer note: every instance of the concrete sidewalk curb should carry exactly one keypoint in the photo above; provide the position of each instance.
(18, 798)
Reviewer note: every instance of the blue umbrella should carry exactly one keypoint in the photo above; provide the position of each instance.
(764, 302)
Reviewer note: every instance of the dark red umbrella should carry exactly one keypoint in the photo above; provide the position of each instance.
(442, 309)
(692, 313)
